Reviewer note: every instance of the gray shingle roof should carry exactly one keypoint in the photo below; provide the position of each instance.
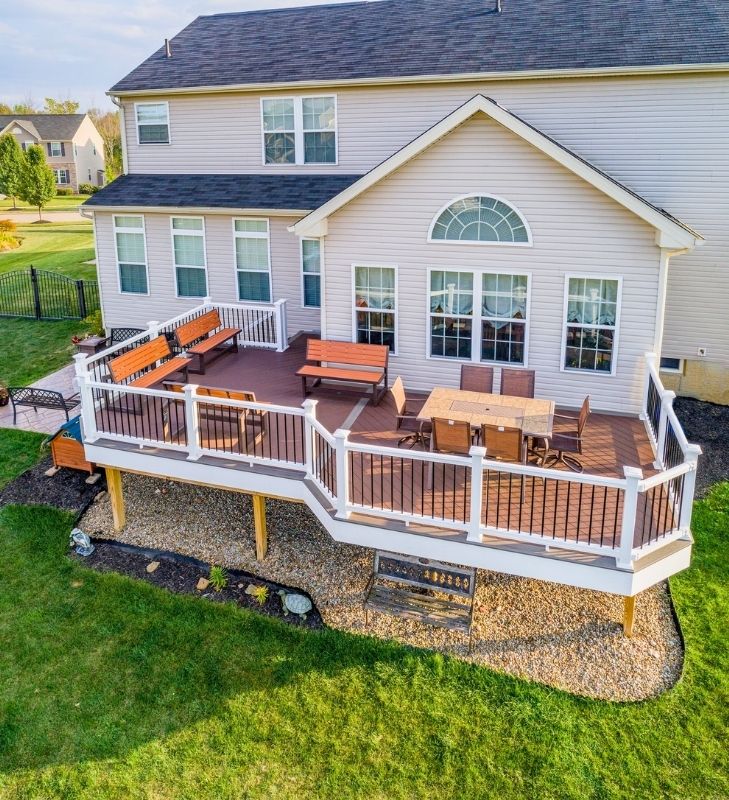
(50, 127)
(279, 192)
(400, 38)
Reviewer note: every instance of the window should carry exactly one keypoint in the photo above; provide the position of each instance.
(153, 125)
(188, 248)
(451, 314)
(252, 259)
(55, 149)
(591, 320)
(375, 306)
(672, 365)
(299, 130)
(26, 145)
(311, 269)
(63, 177)
(131, 254)
(503, 318)
(480, 219)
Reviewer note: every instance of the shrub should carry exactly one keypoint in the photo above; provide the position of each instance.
(65, 192)
(218, 578)
(95, 189)
(261, 594)
(95, 323)
(8, 241)
(86, 188)
(7, 226)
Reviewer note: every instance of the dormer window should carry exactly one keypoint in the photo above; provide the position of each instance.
(153, 123)
(299, 130)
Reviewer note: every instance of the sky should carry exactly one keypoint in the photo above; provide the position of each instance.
(77, 49)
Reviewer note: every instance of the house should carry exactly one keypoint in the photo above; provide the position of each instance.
(525, 185)
(74, 148)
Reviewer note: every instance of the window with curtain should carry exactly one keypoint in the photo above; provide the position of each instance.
(252, 261)
(188, 248)
(480, 219)
(299, 130)
(319, 121)
(153, 125)
(503, 317)
(375, 305)
(131, 254)
(279, 131)
(311, 268)
(591, 323)
(451, 314)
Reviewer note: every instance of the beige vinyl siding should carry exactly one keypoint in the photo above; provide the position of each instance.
(162, 302)
(664, 136)
(87, 139)
(575, 229)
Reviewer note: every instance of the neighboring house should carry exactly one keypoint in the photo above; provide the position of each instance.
(542, 187)
(74, 148)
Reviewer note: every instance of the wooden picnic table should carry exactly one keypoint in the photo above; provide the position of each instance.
(532, 415)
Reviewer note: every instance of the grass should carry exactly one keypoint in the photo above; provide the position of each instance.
(58, 203)
(112, 688)
(59, 247)
(19, 450)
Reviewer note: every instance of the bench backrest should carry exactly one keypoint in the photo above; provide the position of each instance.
(197, 328)
(209, 391)
(361, 355)
(139, 359)
(425, 574)
(28, 395)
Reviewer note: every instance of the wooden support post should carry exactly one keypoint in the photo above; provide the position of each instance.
(628, 615)
(259, 519)
(114, 485)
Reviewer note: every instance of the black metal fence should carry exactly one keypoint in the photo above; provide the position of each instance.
(40, 294)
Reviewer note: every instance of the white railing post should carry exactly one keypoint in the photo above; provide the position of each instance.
(667, 398)
(207, 301)
(153, 329)
(340, 443)
(309, 450)
(88, 410)
(633, 476)
(691, 457)
(474, 522)
(192, 423)
(282, 333)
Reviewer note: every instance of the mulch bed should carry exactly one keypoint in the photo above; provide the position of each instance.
(707, 425)
(67, 489)
(180, 574)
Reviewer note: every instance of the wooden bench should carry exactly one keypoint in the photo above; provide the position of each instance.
(210, 336)
(142, 360)
(347, 355)
(409, 573)
(40, 398)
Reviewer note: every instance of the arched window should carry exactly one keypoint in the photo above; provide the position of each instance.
(480, 218)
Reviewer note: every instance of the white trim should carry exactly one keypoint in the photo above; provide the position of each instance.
(485, 193)
(670, 233)
(395, 312)
(116, 252)
(197, 210)
(252, 235)
(304, 274)
(616, 328)
(169, 126)
(175, 265)
(298, 131)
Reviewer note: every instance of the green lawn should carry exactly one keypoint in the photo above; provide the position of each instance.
(112, 688)
(58, 203)
(19, 450)
(59, 247)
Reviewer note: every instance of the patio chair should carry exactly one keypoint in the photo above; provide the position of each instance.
(570, 441)
(517, 382)
(477, 379)
(505, 444)
(407, 420)
(449, 436)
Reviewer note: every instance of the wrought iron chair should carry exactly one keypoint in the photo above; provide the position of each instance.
(517, 382)
(570, 441)
(477, 379)
(407, 420)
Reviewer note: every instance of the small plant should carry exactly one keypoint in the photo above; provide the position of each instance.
(261, 594)
(218, 578)
(4, 395)
(7, 226)
(85, 188)
(65, 192)
(95, 323)
(8, 241)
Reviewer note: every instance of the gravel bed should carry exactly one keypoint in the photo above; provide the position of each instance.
(564, 637)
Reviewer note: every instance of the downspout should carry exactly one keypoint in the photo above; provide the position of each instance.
(666, 254)
(123, 132)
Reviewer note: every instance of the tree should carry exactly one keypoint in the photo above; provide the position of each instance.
(11, 166)
(5, 109)
(38, 183)
(60, 106)
(107, 124)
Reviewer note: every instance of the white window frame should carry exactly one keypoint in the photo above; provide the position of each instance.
(116, 252)
(477, 318)
(303, 274)
(395, 311)
(671, 370)
(164, 103)
(298, 101)
(616, 327)
(175, 265)
(471, 243)
(60, 150)
(252, 235)
(66, 174)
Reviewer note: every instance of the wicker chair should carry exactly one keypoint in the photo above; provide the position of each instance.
(477, 379)
(569, 441)
(517, 382)
(406, 419)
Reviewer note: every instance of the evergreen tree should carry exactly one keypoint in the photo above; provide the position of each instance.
(11, 166)
(38, 183)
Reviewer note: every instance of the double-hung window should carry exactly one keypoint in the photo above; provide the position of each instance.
(311, 269)
(478, 316)
(299, 130)
(131, 254)
(252, 259)
(375, 301)
(592, 308)
(63, 177)
(188, 248)
(55, 149)
(153, 124)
